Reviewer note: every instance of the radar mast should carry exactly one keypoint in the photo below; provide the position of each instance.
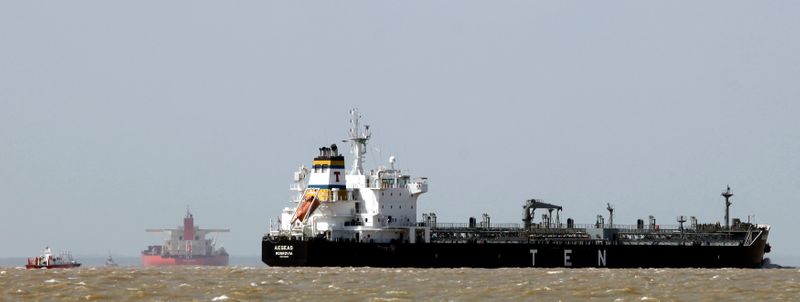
(727, 194)
(358, 141)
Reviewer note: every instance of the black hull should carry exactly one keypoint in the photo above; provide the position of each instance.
(318, 253)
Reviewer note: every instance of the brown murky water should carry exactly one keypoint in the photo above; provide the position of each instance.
(376, 284)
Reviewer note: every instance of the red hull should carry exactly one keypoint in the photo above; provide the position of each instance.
(55, 266)
(158, 260)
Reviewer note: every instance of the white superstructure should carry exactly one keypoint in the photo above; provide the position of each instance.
(379, 205)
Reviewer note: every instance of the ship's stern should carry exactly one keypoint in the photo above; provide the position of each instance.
(283, 251)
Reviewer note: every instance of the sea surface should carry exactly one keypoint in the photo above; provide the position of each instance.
(260, 283)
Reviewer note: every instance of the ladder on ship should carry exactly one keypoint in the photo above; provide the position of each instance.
(748, 239)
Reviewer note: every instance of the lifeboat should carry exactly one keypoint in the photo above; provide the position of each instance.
(307, 207)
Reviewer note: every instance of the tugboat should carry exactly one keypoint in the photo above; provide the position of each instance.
(187, 245)
(48, 261)
(369, 218)
(110, 261)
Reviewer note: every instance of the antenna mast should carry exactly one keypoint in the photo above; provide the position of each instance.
(727, 194)
(358, 140)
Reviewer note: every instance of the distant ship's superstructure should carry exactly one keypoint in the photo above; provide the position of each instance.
(369, 218)
(187, 245)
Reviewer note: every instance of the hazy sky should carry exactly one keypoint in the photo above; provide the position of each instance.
(114, 116)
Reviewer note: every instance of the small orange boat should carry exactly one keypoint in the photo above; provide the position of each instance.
(306, 208)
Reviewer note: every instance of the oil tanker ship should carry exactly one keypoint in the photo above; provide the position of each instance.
(369, 218)
(186, 245)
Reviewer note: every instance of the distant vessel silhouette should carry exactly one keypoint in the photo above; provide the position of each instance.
(110, 261)
(186, 245)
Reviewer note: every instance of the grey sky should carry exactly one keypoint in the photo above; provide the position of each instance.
(115, 116)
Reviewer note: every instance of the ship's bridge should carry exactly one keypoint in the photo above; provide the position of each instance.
(339, 206)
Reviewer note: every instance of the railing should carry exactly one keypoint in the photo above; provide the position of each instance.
(672, 232)
(478, 225)
(622, 228)
(540, 226)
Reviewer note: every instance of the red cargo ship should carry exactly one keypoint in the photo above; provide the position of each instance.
(186, 245)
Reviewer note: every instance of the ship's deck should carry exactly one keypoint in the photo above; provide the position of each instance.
(702, 235)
